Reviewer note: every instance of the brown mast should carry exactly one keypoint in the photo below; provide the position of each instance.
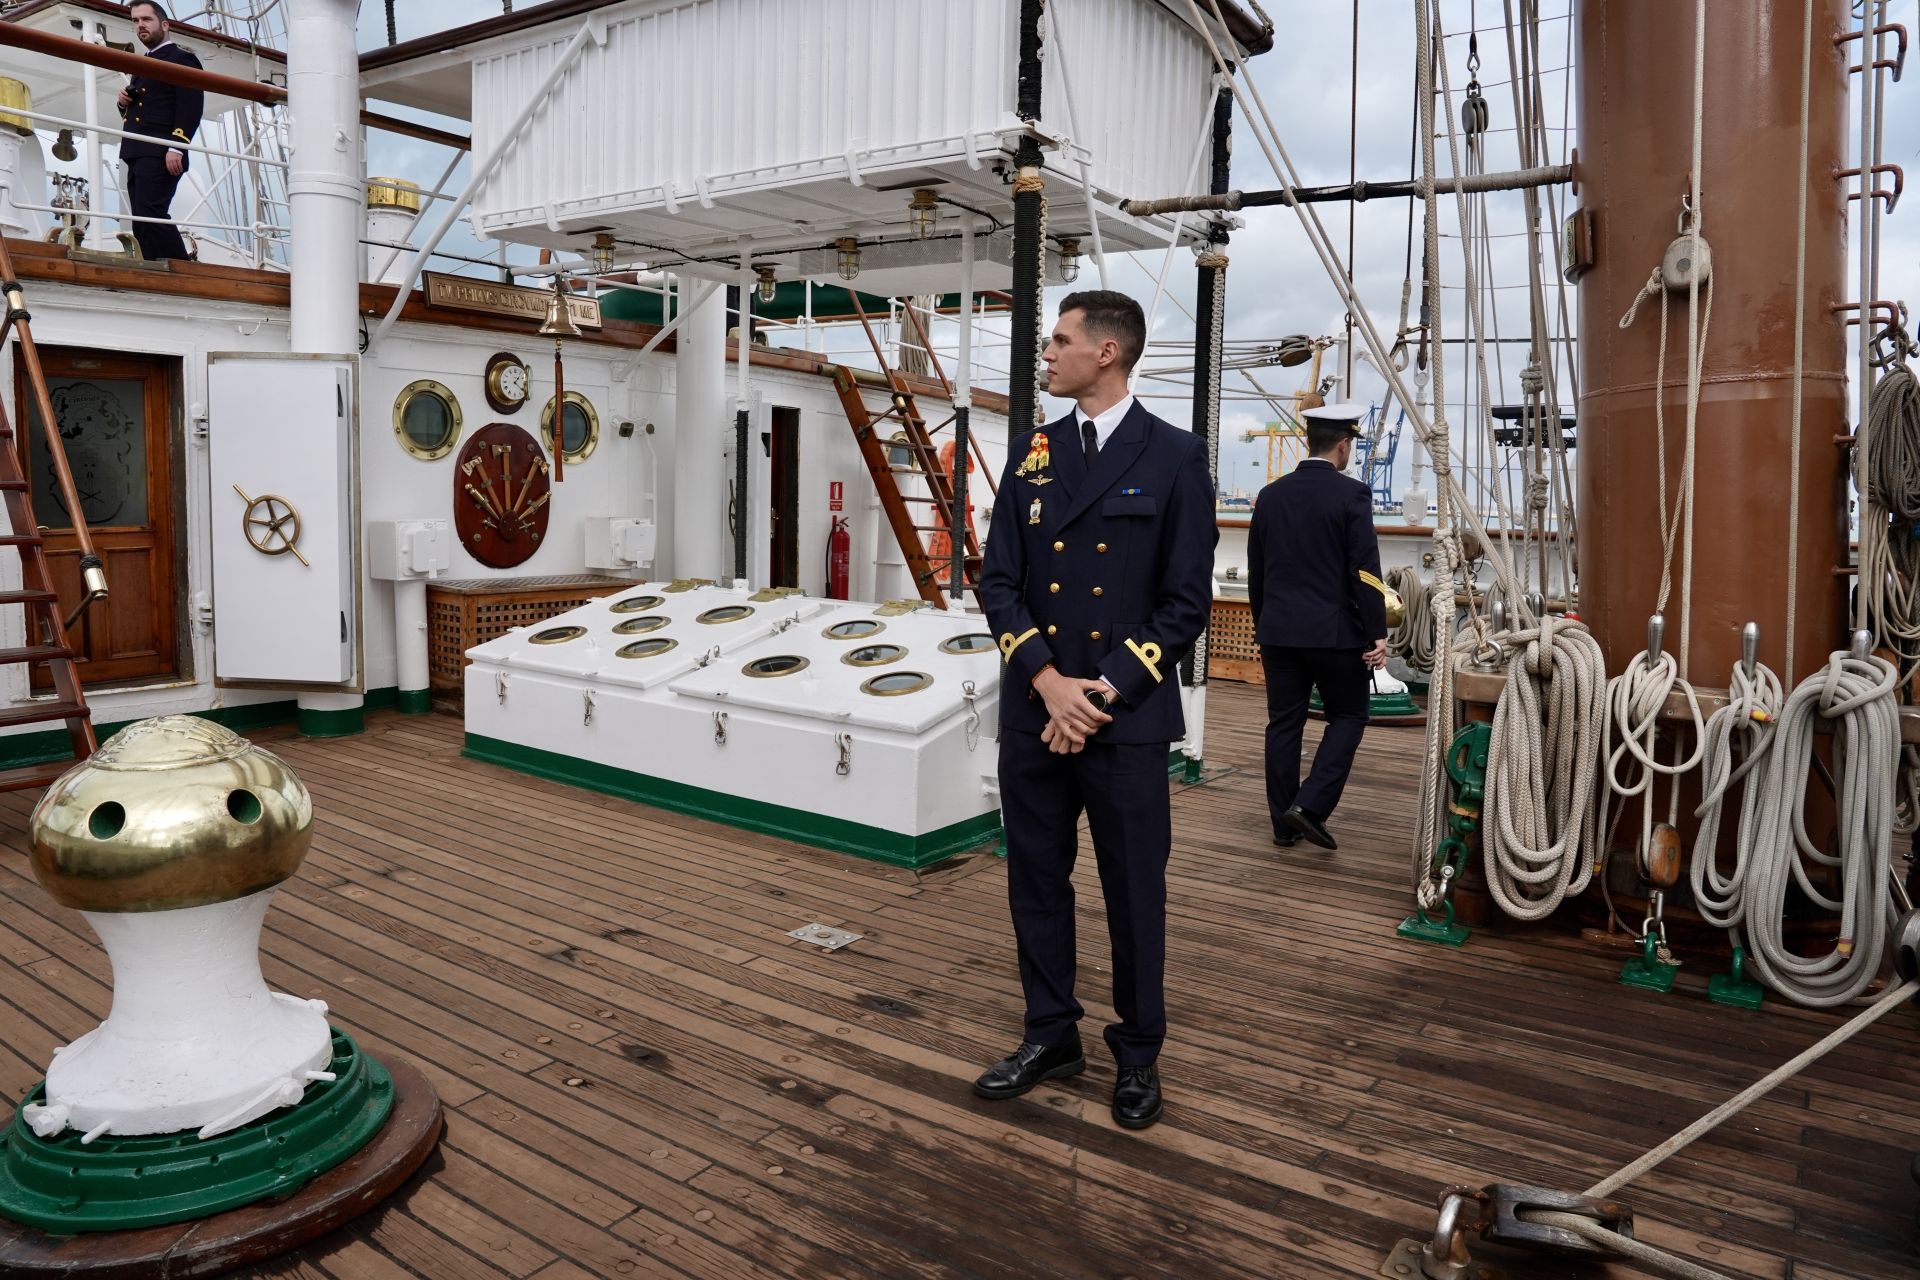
(1635, 103)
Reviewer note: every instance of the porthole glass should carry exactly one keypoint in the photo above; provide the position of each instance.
(558, 635)
(895, 683)
(650, 648)
(874, 655)
(641, 625)
(854, 629)
(426, 419)
(583, 427)
(972, 642)
(725, 613)
(636, 604)
(782, 664)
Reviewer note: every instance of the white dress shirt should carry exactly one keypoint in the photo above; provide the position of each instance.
(1108, 421)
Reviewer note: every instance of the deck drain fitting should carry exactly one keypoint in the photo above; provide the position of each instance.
(826, 937)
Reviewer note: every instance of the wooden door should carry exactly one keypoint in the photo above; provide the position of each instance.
(783, 562)
(116, 417)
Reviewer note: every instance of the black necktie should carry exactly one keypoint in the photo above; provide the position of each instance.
(1090, 441)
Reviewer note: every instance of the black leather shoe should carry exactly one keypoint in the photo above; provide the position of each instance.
(1029, 1065)
(1310, 828)
(1136, 1097)
(1286, 841)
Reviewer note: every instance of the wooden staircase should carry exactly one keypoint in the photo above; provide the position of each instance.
(916, 518)
(46, 630)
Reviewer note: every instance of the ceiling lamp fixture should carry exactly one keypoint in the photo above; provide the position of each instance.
(925, 209)
(602, 253)
(1069, 260)
(765, 289)
(849, 257)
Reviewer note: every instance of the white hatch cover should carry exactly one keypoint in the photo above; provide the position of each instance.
(281, 453)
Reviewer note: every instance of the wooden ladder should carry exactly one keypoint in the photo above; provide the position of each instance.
(46, 630)
(930, 573)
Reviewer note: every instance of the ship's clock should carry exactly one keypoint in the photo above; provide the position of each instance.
(507, 382)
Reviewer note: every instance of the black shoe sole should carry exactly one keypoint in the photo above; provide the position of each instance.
(1308, 834)
(1061, 1072)
(1286, 843)
(1141, 1122)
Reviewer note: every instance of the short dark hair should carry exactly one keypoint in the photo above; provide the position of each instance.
(1108, 313)
(159, 10)
(1324, 438)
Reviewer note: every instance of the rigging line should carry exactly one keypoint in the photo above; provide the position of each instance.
(1696, 328)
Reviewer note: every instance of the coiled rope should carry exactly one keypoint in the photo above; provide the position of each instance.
(1540, 824)
(1412, 640)
(1855, 694)
(1737, 740)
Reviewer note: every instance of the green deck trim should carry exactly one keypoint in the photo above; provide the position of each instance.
(39, 748)
(314, 723)
(414, 702)
(815, 829)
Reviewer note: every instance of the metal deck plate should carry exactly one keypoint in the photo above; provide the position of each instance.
(826, 937)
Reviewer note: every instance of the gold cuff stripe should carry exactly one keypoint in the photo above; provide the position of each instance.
(1149, 655)
(1009, 642)
(181, 135)
(1373, 582)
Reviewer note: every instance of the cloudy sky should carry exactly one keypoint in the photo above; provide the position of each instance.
(1276, 284)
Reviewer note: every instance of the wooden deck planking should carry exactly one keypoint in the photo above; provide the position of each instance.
(644, 1076)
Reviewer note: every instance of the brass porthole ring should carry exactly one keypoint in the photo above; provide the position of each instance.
(636, 604)
(780, 664)
(894, 684)
(971, 642)
(649, 648)
(427, 419)
(854, 629)
(725, 613)
(874, 655)
(557, 635)
(642, 625)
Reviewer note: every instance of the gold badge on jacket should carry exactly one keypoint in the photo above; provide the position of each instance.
(1033, 512)
(1039, 458)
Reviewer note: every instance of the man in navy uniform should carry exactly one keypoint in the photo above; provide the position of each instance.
(157, 109)
(1098, 579)
(1320, 616)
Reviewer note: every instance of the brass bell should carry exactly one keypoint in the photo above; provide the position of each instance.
(559, 322)
(63, 148)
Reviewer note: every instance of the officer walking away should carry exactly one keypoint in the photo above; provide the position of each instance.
(1097, 580)
(1320, 616)
(157, 109)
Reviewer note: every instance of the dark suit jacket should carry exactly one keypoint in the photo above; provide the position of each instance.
(1312, 536)
(162, 110)
(1103, 574)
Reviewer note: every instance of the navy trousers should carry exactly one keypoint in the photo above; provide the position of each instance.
(1292, 673)
(1123, 790)
(150, 191)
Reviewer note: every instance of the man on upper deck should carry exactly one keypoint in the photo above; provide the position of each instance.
(156, 109)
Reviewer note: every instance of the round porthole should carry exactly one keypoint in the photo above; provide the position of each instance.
(972, 642)
(895, 683)
(854, 629)
(426, 419)
(645, 648)
(557, 635)
(642, 625)
(636, 604)
(874, 655)
(781, 664)
(583, 427)
(725, 613)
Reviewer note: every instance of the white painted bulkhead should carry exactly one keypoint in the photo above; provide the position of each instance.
(616, 480)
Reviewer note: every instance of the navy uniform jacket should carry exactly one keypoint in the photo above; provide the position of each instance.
(1312, 538)
(1108, 574)
(162, 110)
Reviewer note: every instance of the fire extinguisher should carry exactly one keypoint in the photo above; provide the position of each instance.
(839, 559)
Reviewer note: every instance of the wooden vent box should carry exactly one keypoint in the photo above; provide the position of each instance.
(462, 613)
(1232, 652)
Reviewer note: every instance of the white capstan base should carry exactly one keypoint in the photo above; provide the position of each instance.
(194, 1040)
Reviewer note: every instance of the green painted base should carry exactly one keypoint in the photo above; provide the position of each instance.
(1448, 932)
(414, 702)
(1735, 988)
(42, 748)
(1388, 707)
(117, 1184)
(737, 811)
(1649, 975)
(331, 724)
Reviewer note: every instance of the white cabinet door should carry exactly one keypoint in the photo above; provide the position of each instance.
(280, 433)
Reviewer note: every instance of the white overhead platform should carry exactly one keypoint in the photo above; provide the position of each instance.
(685, 127)
(836, 724)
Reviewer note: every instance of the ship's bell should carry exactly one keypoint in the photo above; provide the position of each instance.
(63, 148)
(559, 322)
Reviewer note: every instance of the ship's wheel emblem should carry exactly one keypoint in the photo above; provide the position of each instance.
(272, 525)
